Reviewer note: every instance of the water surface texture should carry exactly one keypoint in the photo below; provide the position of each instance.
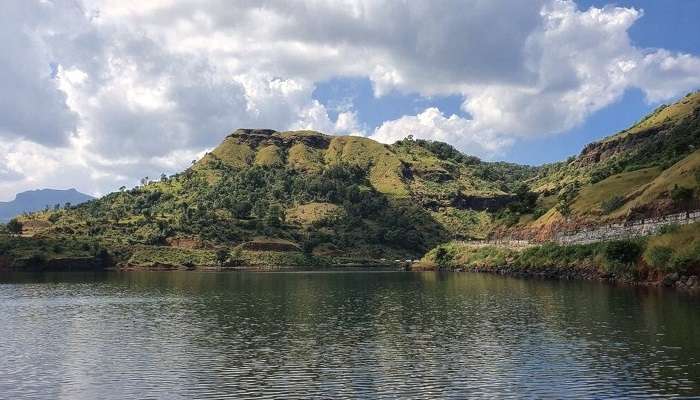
(205, 335)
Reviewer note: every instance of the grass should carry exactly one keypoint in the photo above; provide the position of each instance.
(383, 165)
(664, 115)
(233, 153)
(151, 255)
(464, 224)
(304, 158)
(269, 156)
(308, 214)
(676, 249)
(683, 244)
(624, 184)
(460, 254)
(682, 173)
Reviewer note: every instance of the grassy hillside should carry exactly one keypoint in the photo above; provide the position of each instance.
(352, 196)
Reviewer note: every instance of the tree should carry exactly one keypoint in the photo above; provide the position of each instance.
(681, 195)
(275, 216)
(442, 257)
(222, 257)
(163, 177)
(236, 257)
(566, 197)
(241, 209)
(14, 227)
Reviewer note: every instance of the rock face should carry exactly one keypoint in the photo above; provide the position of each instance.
(482, 203)
(262, 137)
(597, 152)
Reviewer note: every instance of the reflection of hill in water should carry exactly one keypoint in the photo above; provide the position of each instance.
(352, 335)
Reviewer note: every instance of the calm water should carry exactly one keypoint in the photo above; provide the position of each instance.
(230, 335)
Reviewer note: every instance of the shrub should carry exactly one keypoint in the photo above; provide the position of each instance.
(566, 197)
(442, 257)
(222, 257)
(149, 234)
(37, 259)
(618, 268)
(670, 228)
(598, 175)
(687, 259)
(622, 251)
(612, 204)
(681, 195)
(658, 256)
(14, 226)
(189, 265)
(539, 211)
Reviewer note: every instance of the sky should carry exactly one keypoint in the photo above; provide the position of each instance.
(97, 94)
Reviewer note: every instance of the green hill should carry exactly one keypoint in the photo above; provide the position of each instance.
(335, 199)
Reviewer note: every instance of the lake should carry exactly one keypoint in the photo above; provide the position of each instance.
(170, 335)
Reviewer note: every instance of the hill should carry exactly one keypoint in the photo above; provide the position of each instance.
(648, 170)
(35, 200)
(306, 197)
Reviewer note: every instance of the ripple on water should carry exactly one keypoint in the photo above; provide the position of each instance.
(236, 335)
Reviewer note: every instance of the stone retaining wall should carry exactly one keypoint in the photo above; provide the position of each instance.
(626, 230)
(601, 233)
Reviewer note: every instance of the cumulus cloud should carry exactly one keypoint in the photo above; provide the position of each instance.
(126, 88)
(27, 82)
(583, 61)
(432, 124)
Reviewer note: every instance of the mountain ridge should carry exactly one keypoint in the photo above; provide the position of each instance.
(352, 196)
(37, 199)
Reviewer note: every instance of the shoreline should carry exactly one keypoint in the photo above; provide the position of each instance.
(683, 283)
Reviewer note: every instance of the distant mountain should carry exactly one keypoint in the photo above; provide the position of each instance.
(34, 200)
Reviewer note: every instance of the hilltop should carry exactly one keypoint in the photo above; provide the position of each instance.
(323, 198)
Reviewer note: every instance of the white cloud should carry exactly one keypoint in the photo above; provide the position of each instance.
(130, 88)
(432, 124)
(583, 61)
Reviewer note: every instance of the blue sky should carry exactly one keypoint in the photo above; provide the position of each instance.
(672, 25)
(128, 88)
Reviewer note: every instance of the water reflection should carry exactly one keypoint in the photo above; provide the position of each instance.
(270, 335)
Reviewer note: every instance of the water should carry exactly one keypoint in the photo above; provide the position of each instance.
(177, 335)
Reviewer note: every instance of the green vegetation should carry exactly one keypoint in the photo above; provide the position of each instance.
(14, 227)
(566, 198)
(617, 186)
(41, 251)
(675, 249)
(612, 204)
(303, 196)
